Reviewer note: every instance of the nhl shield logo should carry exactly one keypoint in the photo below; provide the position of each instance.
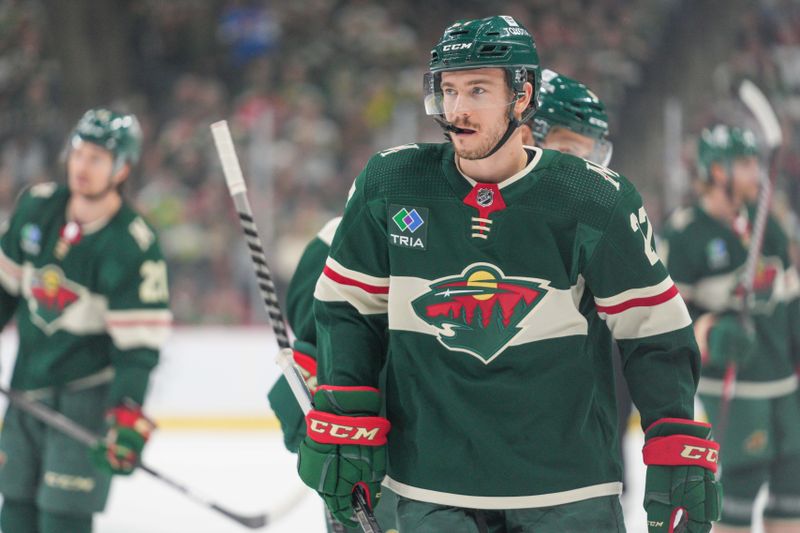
(485, 197)
(479, 311)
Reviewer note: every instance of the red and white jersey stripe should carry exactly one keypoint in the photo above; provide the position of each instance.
(645, 311)
(368, 294)
(139, 328)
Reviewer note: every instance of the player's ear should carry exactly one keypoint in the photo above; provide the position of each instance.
(718, 174)
(122, 174)
(522, 104)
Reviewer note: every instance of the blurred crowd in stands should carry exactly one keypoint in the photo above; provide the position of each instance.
(311, 88)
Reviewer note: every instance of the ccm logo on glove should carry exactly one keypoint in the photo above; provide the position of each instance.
(697, 452)
(329, 428)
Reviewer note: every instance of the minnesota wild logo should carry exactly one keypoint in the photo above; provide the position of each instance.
(764, 296)
(51, 295)
(478, 312)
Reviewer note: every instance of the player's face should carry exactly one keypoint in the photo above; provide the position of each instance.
(569, 142)
(476, 101)
(89, 169)
(746, 174)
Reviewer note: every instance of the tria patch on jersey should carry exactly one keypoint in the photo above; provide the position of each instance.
(718, 256)
(31, 239)
(408, 226)
(478, 311)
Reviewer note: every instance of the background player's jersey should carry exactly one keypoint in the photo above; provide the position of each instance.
(100, 302)
(300, 295)
(706, 258)
(497, 395)
(300, 315)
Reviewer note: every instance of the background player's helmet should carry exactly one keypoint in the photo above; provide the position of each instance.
(569, 104)
(118, 133)
(498, 41)
(722, 144)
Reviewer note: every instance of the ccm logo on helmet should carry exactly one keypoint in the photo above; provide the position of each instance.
(457, 46)
(697, 452)
(339, 431)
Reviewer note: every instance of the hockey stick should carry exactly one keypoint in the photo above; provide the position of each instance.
(759, 106)
(79, 433)
(238, 191)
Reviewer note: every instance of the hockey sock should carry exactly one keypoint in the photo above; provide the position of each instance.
(18, 516)
(61, 523)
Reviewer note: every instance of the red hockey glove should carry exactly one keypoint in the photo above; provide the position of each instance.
(283, 402)
(305, 359)
(681, 494)
(128, 431)
(345, 447)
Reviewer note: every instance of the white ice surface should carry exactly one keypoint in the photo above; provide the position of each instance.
(249, 472)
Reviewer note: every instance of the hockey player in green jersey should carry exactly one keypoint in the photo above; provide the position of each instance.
(707, 248)
(84, 277)
(570, 119)
(468, 270)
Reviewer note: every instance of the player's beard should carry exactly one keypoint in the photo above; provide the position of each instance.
(100, 195)
(485, 146)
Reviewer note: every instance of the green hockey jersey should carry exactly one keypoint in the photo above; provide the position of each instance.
(86, 306)
(300, 294)
(706, 258)
(479, 299)
(300, 315)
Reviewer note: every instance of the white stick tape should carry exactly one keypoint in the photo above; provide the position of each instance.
(227, 156)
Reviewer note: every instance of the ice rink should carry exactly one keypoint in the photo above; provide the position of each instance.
(248, 472)
(218, 378)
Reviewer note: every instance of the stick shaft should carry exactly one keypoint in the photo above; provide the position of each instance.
(238, 191)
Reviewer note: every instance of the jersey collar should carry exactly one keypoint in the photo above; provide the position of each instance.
(537, 155)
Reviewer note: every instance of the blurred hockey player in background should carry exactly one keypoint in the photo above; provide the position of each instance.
(469, 270)
(707, 246)
(570, 119)
(83, 274)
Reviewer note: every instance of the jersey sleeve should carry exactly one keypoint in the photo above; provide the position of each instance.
(684, 266)
(352, 294)
(138, 318)
(790, 288)
(636, 297)
(11, 262)
(793, 296)
(300, 314)
(300, 295)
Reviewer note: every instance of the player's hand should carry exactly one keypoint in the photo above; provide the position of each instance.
(724, 339)
(283, 402)
(128, 431)
(345, 447)
(681, 494)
